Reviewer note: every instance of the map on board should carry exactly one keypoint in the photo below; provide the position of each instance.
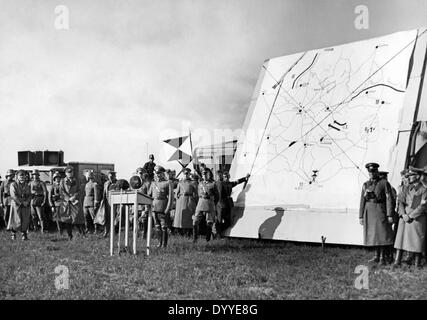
(317, 118)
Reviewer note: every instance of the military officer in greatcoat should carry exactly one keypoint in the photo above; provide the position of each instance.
(55, 200)
(91, 202)
(161, 190)
(411, 232)
(5, 200)
(39, 198)
(376, 214)
(208, 198)
(171, 177)
(20, 211)
(71, 214)
(186, 195)
(103, 214)
(225, 202)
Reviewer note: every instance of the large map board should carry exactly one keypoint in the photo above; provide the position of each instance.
(315, 120)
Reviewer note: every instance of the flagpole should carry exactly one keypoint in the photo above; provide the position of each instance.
(191, 146)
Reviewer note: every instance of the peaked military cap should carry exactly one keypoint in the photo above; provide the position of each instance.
(159, 169)
(372, 166)
(9, 173)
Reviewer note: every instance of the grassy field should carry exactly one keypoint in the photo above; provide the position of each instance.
(221, 269)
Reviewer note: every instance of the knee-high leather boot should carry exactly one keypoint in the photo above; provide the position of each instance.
(195, 234)
(144, 229)
(69, 228)
(208, 233)
(383, 250)
(42, 226)
(417, 260)
(160, 237)
(398, 260)
(165, 238)
(58, 226)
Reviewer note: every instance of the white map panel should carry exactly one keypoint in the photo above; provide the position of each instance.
(316, 119)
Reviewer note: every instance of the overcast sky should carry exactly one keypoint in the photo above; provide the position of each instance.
(128, 73)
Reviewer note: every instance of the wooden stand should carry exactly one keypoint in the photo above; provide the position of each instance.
(127, 198)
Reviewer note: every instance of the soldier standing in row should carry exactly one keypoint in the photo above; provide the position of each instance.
(55, 200)
(390, 249)
(208, 198)
(5, 199)
(186, 203)
(20, 213)
(71, 213)
(39, 197)
(413, 217)
(161, 191)
(376, 214)
(90, 202)
(145, 209)
(171, 177)
(225, 202)
(103, 215)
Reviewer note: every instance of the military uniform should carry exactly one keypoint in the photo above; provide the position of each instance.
(90, 203)
(55, 201)
(225, 202)
(174, 184)
(376, 211)
(39, 197)
(208, 198)
(103, 214)
(71, 213)
(185, 204)
(20, 213)
(411, 235)
(5, 199)
(412, 208)
(149, 168)
(162, 192)
(145, 209)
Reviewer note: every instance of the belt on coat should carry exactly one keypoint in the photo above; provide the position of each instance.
(164, 198)
(375, 201)
(206, 197)
(187, 194)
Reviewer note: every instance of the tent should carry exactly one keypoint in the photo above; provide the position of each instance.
(315, 119)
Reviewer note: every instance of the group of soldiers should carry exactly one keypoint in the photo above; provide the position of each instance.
(395, 219)
(178, 205)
